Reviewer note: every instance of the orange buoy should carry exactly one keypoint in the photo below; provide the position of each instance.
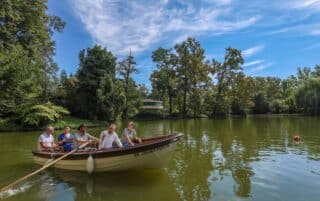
(296, 138)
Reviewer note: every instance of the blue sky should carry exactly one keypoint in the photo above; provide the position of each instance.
(275, 36)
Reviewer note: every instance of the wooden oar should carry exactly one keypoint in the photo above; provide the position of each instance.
(41, 169)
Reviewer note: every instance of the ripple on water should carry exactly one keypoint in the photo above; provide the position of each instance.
(15, 191)
(281, 173)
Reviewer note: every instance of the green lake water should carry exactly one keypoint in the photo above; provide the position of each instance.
(234, 159)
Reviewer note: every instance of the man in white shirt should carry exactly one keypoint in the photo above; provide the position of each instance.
(46, 141)
(108, 137)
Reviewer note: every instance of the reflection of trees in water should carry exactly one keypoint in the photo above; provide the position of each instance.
(243, 141)
(191, 166)
(129, 185)
(240, 141)
(236, 155)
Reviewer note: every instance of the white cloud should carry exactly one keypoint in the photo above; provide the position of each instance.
(252, 50)
(311, 29)
(220, 2)
(303, 4)
(256, 62)
(315, 32)
(120, 25)
(260, 67)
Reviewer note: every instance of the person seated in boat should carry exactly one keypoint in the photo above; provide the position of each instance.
(83, 137)
(66, 139)
(109, 137)
(129, 135)
(46, 141)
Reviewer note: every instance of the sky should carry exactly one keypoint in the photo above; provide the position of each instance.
(275, 36)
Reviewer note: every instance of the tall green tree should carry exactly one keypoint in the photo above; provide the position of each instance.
(97, 88)
(242, 94)
(164, 78)
(126, 68)
(224, 73)
(192, 72)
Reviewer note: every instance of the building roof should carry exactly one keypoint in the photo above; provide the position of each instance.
(151, 101)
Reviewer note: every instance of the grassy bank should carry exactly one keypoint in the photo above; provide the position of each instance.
(73, 122)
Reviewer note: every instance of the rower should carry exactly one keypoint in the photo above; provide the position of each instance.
(83, 137)
(109, 137)
(46, 141)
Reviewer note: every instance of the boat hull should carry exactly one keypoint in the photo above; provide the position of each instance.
(156, 155)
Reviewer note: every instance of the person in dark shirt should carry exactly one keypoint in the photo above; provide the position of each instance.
(66, 139)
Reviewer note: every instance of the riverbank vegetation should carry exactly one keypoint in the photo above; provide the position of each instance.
(189, 84)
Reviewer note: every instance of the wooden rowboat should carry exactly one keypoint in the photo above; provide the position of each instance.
(154, 152)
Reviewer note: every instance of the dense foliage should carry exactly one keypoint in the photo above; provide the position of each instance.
(34, 114)
(27, 73)
(95, 92)
(190, 85)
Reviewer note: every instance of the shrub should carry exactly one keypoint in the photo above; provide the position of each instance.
(32, 114)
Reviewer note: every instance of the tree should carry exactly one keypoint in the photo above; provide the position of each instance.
(26, 54)
(224, 73)
(269, 95)
(144, 91)
(193, 73)
(260, 103)
(97, 88)
(307, 96)
(65, 93)
(165, 77)
(289, 85)
(125, 69)
(316, 72)
(303, 73)
(273, 88)
(242, 94)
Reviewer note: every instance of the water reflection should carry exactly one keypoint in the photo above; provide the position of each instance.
(66, 185)
(221, 149)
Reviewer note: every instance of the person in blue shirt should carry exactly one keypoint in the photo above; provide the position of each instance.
(66, 139)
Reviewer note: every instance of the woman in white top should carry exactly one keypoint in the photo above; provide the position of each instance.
(108, 137)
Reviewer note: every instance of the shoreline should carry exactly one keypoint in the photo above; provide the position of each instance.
(74, 122)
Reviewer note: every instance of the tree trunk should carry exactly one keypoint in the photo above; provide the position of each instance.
(170, 104)
(184, 111)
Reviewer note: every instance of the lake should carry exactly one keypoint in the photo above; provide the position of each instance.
(231, 159)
